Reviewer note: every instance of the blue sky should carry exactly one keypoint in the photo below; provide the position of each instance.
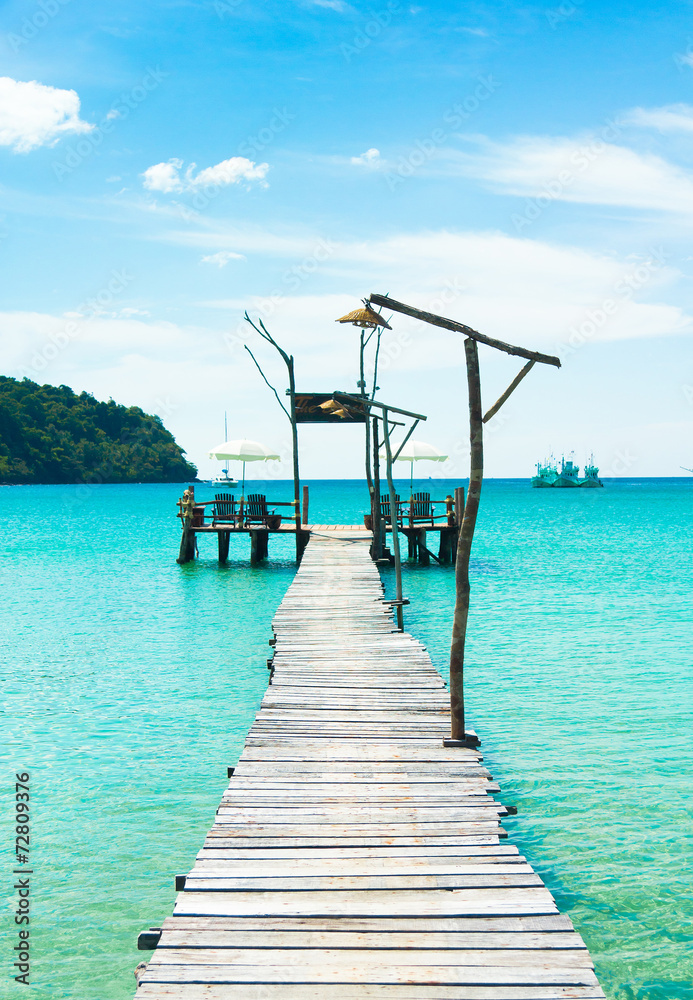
(524, 169)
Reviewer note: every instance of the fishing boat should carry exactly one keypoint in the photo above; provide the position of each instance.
(568, 477)
(546, 474)
(591, 479)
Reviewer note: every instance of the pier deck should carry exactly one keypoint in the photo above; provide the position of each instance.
(353, 857)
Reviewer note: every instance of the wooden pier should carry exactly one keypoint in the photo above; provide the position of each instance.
(353, 856)
(204, 518)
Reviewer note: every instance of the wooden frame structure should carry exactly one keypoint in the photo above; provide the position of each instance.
(387, 423)
(459, 734)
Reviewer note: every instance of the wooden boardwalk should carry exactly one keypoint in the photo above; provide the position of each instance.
(353, 857)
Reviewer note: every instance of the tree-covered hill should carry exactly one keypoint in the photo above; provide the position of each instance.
(49, 434)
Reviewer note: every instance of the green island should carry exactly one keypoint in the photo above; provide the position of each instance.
(50, 434)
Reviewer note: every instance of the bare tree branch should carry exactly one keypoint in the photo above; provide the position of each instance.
(265, 379)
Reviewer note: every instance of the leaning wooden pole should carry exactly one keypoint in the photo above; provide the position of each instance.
(377, 541)
(294, 447)
(464, 544)
(394, 524)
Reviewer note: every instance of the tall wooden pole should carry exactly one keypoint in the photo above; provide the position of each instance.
(362, 388)
(394, 523)
(377, 543)
(464, 543)
(294, 445)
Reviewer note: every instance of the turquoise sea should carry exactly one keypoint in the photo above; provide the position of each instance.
(129, 683)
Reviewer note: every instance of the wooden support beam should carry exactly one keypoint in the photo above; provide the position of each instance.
(223, 539)
(511, 388)
(464, 543)
(450, 324)
(445, 550)
(304, 508)
(424, 555)
(258, 545)
(302, 539)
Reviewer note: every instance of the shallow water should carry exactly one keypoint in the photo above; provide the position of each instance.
(131, 683)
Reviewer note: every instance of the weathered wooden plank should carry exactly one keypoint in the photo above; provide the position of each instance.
(242, 836)
(488, 926)
(364, 991)
(369, 902)
(264, 867)
(471, 852)
(214, 937)
(378, 959)
(345, 973)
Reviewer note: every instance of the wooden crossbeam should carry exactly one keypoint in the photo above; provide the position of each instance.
(451, 324)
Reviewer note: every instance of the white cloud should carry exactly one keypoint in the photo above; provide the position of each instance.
(589, 171)
(128, 312)
(371, 158)
(669, 118)
(222, 258)
(164, 177)
(479, 32)
(167, 177)
(33, 115)
(337, 5)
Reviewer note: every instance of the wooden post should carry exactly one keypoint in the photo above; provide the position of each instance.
(304, 509)
(424, 555)
(411, 544)
(362, 389)
(294, 445)
(447, 536)
(377, 545)
(223, 539)
(394, 524)
(303, 537)
(459, 505)
(186, 553)
(258, 545)
(449, 511)
(464, 544)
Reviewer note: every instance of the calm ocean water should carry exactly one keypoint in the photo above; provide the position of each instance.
(130, 683)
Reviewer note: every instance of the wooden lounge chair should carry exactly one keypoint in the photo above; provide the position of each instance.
(385, 508)
(256, 511)
(421, 510)
(225, 509)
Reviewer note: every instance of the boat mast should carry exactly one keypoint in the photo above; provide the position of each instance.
(226, 437)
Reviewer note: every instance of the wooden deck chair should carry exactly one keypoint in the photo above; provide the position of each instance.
(385, 508)
(225, 509)
(256, 511)
(421, 509)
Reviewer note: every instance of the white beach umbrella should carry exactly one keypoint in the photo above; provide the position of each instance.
(243, 450)
(415, 451)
